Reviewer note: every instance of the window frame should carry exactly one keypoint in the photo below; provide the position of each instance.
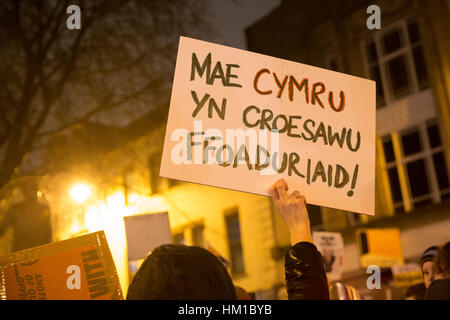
(401, 161)
(382, 59)
(227, 214)
(180, 231)
(155, 181)
(200, 225)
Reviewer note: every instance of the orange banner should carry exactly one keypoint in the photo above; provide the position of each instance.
(81, 268)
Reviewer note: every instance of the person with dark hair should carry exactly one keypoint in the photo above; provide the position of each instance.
(439, 289)
(442, 262)
(180, 272)
(428, 267)
(304, 268)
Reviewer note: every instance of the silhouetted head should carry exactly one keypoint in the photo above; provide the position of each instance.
(442, 261)
(179, 272)
(428, 266)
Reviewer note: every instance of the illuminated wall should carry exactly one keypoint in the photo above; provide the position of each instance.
(124, 188)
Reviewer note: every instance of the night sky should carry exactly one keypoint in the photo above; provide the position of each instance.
(232, 17)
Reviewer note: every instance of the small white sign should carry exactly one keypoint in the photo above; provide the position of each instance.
(146, 232)
(331, 246)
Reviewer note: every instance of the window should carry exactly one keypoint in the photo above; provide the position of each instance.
(434, 136)
(353, 218)
(129, 184)
(178, 238)
(392, 173)
(440, 166)
(396, 191)
(421, 157)
(197, 235)
(411, 142)
(418, 181)
(172, 183)
(396, 61)
(331, 62)
(315, 215)
(155, 180)
(388, 149)
(234, 242)
(374, 72)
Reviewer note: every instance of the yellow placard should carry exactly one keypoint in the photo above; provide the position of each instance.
(381, 247)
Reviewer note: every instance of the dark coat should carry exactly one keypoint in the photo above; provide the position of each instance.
(438, 290)
(305, 274)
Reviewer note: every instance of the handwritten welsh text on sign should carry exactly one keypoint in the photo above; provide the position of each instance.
(241, 120)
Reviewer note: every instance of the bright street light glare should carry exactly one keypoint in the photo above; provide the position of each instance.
(80, 192)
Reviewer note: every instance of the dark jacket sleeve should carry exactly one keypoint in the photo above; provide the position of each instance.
(305, 274)
(438, 290)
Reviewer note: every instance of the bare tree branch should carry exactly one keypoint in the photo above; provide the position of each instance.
(52, 78)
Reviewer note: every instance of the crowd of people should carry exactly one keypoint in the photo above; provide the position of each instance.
(180, 272)
(187, 272)
(435, 263)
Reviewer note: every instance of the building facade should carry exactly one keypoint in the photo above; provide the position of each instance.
(125, 181)
(409, 58)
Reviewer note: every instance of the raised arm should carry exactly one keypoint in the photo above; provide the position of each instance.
(305, 274)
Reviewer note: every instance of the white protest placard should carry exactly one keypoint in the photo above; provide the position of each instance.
(331, 246)
(145, 232)
(241, 121)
